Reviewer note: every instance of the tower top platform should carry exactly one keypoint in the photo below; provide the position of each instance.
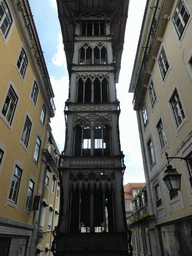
(113, 11)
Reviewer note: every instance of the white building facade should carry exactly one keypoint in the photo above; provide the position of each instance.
(162, 86)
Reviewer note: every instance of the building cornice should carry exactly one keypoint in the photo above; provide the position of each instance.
(155, 20)
(37, 53)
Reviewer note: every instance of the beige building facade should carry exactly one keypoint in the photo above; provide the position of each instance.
(162, 86)
(50, 196)
(26, 106)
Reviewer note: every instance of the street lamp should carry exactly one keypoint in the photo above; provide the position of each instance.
(172, 178)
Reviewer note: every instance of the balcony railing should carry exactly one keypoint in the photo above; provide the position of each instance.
(138, 215)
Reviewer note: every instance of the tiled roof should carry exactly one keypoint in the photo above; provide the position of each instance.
(129, 186)
(128, 196)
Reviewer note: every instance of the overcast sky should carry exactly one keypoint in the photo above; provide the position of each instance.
(49, 32)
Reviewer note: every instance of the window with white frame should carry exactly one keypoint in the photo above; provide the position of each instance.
(180, 17)
(50, 218)
(1, 155)
(57, 195)
(47, 177)
(22, 63)
(10, 104)
(43, 214)
(189, 165)
(5, 18)
(144, 115)
(26, 131)
(30, 193)
(161, 132)
(152, 93)
(34, 93)
(43, 114)
(157, 195)
(56, 217)
(53, 184)
(37, 149)
(15, 185)
(163, 63)
(177, 108)
(151, 152)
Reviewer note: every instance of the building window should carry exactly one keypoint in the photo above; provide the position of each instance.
(98, 55)
(157, 195)
(5, 18)
(152, 93)
(10, 105)
(37, 149)
(177, 108)
(53, 184)
(47, 177)
(30, 195)
(144, 115)
(161, 132)
(15, 185)
(92, 91)
(43, 114)
(1, 155)
(93, 28)
(180, 17)
(26, 131)
(189, 165)
(163, 63)
(43, 214)
(50, 218)
(92, 141)
(34, 93)
(151, 152)
(22, 63)
(57, 195)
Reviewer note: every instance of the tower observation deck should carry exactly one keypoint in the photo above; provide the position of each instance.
(92, 215)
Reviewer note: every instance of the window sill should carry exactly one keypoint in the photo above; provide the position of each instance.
(35, 161)
(12, 204)
(23, 145)
(181, 125)
(27, 211)
(164, 149)
(6, 122)
(151, 165)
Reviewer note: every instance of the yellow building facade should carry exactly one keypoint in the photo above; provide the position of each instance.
(26, 106)
(50, 199)
(162, 87)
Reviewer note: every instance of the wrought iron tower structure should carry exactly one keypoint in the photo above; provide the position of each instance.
(92, 220)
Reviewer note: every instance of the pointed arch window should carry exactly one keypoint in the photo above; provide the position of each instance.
(85, 55)
(103, 55)
(89, 55)
(92, 91)
(97, 91)
(104, 90)
(88, 85)
(82, 55)
(96, 56)
(100, 55)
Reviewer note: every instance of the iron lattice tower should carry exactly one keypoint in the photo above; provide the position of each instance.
(92, 218)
